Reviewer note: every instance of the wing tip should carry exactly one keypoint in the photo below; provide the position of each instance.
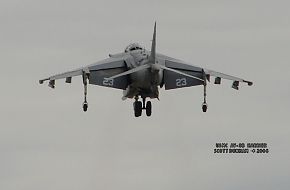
(250, 83)
(42, 80)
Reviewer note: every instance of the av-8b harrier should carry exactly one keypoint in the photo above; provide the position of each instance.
(140, 73)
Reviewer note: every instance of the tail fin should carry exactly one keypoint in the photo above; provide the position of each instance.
(153, 47)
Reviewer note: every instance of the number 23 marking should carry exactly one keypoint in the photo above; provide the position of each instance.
(108, 82)
(181, 82)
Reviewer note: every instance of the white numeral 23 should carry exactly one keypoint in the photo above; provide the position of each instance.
(108, 82)
(181, 82)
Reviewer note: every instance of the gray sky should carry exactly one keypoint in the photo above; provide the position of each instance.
(47, 142)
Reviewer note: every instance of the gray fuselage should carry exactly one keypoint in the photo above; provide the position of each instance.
(145, 82)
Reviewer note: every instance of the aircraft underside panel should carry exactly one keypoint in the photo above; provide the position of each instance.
(174, 80)
(100, 77)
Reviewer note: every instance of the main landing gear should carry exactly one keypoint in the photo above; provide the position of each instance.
(138, 107)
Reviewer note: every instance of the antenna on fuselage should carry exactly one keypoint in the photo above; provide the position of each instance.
(153, 47)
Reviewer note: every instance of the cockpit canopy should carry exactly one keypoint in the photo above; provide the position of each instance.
(132, 47)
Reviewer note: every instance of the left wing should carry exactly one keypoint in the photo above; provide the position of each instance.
(97, 74)
(176, 74)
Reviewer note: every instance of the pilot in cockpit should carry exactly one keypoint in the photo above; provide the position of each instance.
(133, 47)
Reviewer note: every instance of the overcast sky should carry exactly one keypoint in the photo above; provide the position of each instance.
(47, 142)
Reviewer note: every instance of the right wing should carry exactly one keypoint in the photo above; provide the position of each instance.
(97, 73)
(178, 74)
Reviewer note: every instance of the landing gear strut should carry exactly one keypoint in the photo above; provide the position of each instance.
(85, 104)
(204, 104)
(138, 107)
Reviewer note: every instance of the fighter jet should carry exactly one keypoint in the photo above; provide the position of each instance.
(140, 73)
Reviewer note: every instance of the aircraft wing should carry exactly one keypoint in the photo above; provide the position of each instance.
(176, 74)
(97, 74)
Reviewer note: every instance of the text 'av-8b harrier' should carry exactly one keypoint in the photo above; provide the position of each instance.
(139, 73)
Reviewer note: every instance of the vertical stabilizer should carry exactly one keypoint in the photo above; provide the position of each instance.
(153, 47)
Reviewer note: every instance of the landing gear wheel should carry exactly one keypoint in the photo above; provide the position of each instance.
(148, 108)
(85, 106)
(204, 107)
(137, 108)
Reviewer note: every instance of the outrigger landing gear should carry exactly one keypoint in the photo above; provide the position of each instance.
(204, 104)
(85, 104)
(204, 107)
(138, 107)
